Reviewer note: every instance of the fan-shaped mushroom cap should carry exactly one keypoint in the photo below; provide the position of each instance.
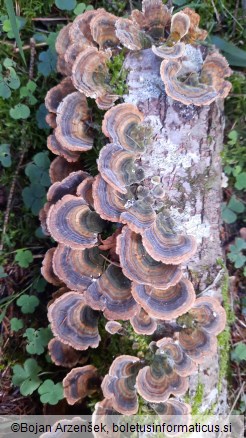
(55, 95)
(104, 413)
(194, 32)
(55, 146)
(176, 357)
(209, 314)
(74, 322)
(103, 29)
(80, 30)
(155, 17)
(122, 124)
(157, 382)
(85, 190)
(119, 384)
(47, 268)
(117, 167)
(106, 101)
(111, 293)
(72, 131)
(63, 40)
(197, 344)
(90, 72)
(108, 202)
(79, 383)
(142, 323)
(76, 267)
(70, 221)
(164, 245)
(43, 213)
(180, 24)
(63, 355)
(169, 52)
(173, 407)
(197, 94)
(130, 35)
(67, 186)
(50, 119)
(139, 216)
(165, 304)
(72, 52)
(140, 267)
(214, 70)
(61, 168)
(114, 327)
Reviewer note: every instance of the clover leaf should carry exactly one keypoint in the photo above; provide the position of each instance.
(37, 339)
(40, 117)
(20, 21)
(239, 353)
(28, 91)
(20, 111)
(65, 5)
(241, 181)
(16, 324)
(81, 7)
(23, 257)
(27, 303)
(229, 210)
(50, 392)
(26, 376)
(5, 157)
(47, 62)
(34, 197)
(38, 171)
(236, 253)
(9, 79)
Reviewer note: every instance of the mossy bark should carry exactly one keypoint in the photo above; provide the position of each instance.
(185, 155)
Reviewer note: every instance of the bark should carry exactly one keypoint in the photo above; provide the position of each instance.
(185, 154)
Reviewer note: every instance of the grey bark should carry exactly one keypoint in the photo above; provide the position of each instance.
(185, 154)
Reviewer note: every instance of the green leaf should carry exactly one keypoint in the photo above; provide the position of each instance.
(50, 392)
(228, 216)
(11, 13)
(2, 273)
(37, 340)
(47, 64)
(20, 111)
(28, 91)
(40, 117)
(5, 157)
(23, 257)
(40, 234)
(8, 28)
(34, 197)
(241, 181)
(38, 171)
(80, 8)
(233, 136)
(236, 205)
(26, 376)
(234, 55)
(65, 5)
(239, 353)
(235, 255)
(5, 91)
(16, 324)
(40, 285)
(27, 303)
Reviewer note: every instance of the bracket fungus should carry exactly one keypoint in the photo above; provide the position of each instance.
(79, 383)
(125, 235)
(118, 385)
(73, 322)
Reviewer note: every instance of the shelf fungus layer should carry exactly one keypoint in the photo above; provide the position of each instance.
(73, 322)
(79, 383)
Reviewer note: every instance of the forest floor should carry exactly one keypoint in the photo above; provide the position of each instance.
(24, 181)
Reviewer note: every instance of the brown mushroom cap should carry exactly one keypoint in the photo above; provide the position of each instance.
(79, 383)
(142, 323)
(56, 94)
(108, 202)
(194, 32)
(63, 355)
(140, 267)
(43, 213)
(122, 124)
(214, 70)
(177, 359)
(77, 268)
(165, 304)
(61, 168)
(67, 186)
(111, 293)
(103, 29)
(72, 130)
(50, 119)
(197, 344)
(130, 34)
(118, 385)
(57, 149)
(139, 216)
(197, 94)
(155, 17)
(103, 415)
(157, 382)
(114, 327)
(73, 322)
(176, 413)
(117, 167)
(80, 30)
(180, 24)
(63, 40)
(169, 52)
(84, 190)
(164, 245)
(90, 72)
(209, 314)
(47, 268)
(71, 222)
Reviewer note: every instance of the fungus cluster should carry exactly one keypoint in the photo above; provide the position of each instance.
(118, 252)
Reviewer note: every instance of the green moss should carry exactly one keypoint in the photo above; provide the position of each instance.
(118, 73)
(197, 399)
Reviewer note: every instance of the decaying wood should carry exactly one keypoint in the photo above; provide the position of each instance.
(185, 154)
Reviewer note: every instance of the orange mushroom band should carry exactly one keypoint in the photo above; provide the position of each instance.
(80, 383)
(118, 385)
(63, 355)
(200, 326)
(73, 322)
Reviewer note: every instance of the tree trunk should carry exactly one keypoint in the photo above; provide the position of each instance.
(185, 154)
